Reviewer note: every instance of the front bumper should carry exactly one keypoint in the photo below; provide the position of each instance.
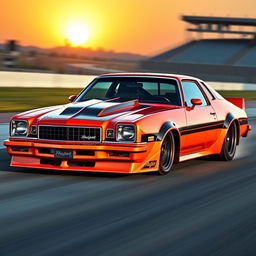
(97, 157)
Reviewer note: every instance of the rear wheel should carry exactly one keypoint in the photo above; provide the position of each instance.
(167, 154)
(229, 146)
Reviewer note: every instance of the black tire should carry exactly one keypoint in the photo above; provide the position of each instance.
(229, 145)
(167, 154)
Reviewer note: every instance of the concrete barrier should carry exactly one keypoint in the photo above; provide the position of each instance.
(44, 80)
(50, 80)
(232, 86)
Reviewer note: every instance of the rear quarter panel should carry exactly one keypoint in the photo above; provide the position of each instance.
(224, 107)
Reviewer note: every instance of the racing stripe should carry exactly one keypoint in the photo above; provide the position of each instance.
(188, 130)
(201, 127)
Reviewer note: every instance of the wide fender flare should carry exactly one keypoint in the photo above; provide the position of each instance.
(229, 119)
(165, 128)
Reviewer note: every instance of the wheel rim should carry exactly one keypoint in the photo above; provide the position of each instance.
(231, 140)
(167, 154)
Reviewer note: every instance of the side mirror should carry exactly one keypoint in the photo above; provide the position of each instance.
(72, 98)
(196, 102)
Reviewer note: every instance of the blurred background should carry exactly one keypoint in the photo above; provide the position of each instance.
(51, 49)
(65, 44)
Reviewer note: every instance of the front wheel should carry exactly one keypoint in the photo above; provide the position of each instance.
(229, 146)
(167, 154)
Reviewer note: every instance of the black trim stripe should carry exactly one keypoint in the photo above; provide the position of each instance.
(243, 121)
(202, 128)
(188, 130)
(198, 128)
(191, 127)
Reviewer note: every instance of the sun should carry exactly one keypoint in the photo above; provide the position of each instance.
(77, 34)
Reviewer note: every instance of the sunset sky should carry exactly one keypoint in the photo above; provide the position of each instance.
(137, 26)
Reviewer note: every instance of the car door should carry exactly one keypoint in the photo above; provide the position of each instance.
(200, 132)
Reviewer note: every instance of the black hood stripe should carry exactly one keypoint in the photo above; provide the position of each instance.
(71, 111)
(84, 111)
(93, 110)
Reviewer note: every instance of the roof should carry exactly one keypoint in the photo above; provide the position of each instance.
(136, 74)
(219, 20)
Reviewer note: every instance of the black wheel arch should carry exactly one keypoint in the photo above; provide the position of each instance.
(230, 118)
(165, 129)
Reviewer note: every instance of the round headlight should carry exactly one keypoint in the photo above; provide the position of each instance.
(19, 128)
(125, 133)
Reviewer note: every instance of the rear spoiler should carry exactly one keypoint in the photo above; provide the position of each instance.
(239, 102)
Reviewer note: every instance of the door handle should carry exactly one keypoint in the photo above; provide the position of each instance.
(213, 113)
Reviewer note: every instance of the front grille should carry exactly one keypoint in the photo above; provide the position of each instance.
(67, 133)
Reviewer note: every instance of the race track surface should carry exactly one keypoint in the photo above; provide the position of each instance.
(204, 208)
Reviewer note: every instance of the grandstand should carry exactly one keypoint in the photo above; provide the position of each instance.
(218, 59)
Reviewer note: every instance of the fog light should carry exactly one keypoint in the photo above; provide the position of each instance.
(20, 149)
(120, 154)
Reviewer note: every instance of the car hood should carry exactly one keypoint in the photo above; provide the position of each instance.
(94, 111)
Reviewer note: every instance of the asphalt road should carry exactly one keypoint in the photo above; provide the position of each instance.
(204, 208)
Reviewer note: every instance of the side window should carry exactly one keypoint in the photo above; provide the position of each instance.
(192, 91)
(207, 91)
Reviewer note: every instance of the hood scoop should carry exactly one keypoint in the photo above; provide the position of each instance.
(124, 106)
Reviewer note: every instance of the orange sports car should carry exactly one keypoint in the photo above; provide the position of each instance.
(130, 123)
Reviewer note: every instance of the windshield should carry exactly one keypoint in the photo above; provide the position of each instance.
(119, 89)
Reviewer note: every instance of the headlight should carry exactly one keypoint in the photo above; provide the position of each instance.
(125, 132)
(19, 128)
